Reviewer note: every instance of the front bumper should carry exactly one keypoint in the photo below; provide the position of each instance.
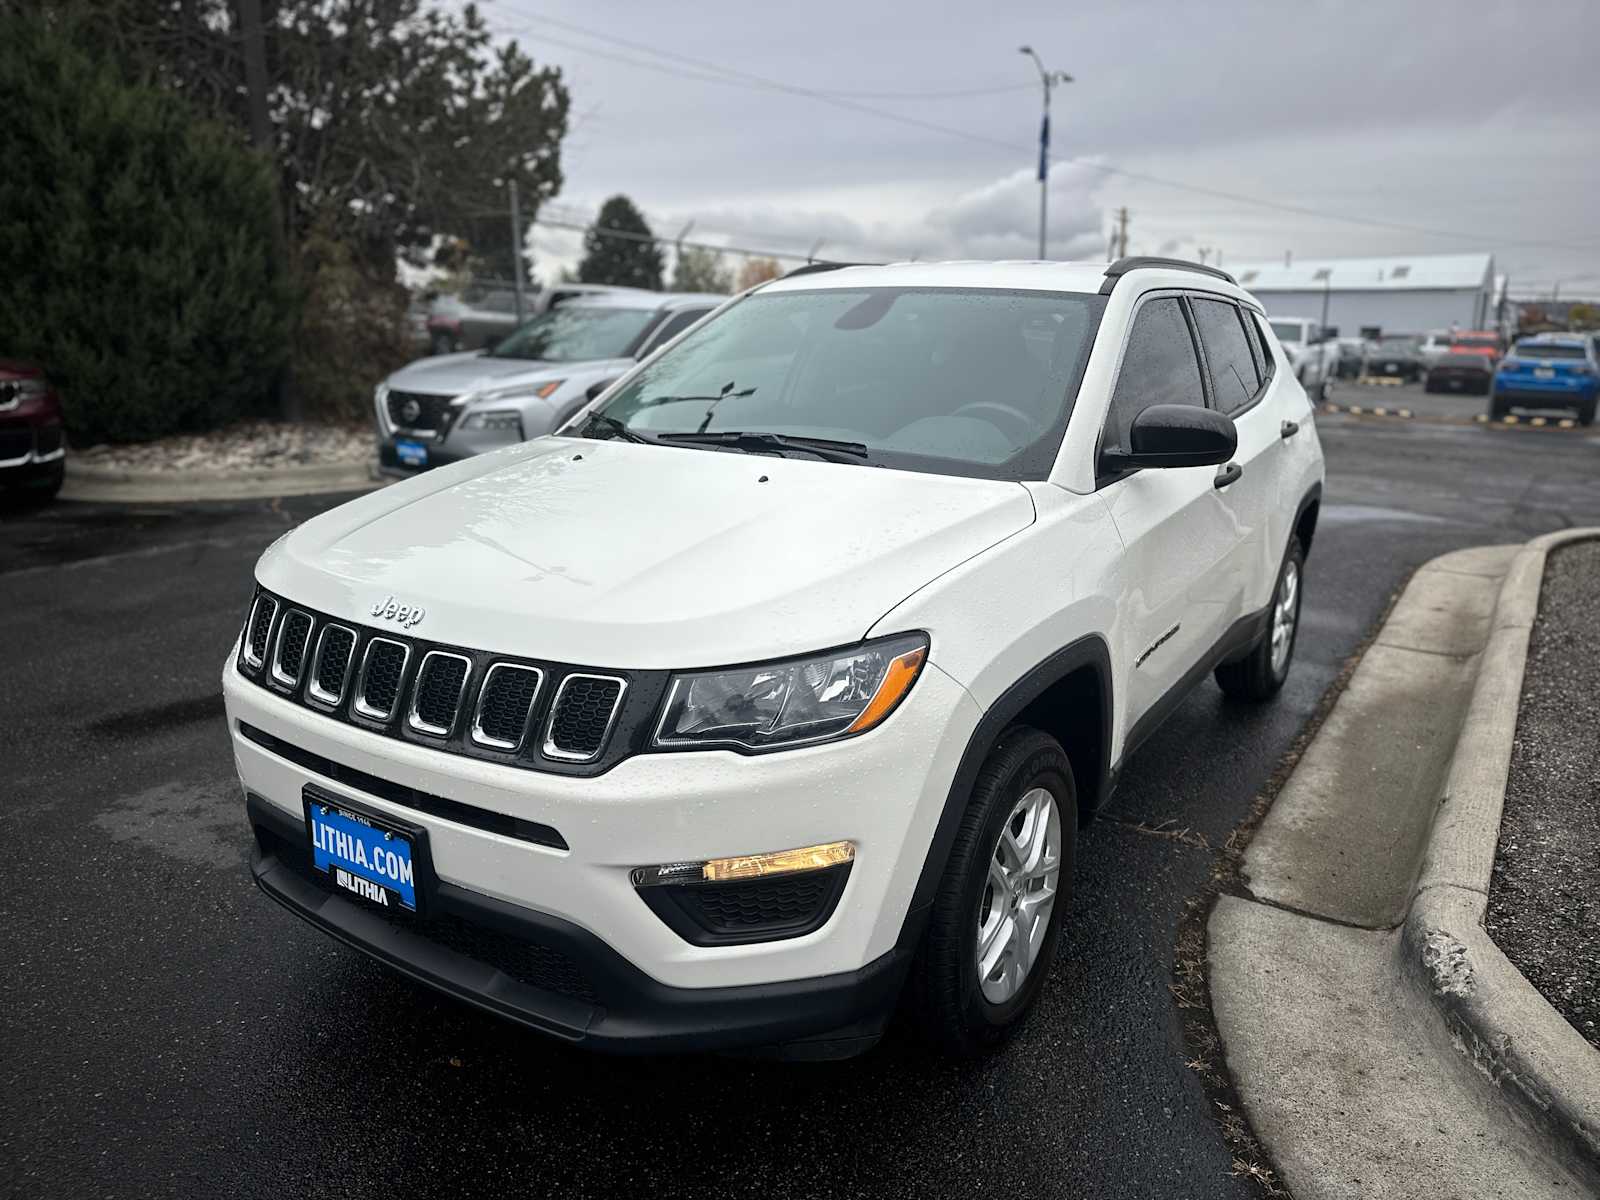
(649, 988)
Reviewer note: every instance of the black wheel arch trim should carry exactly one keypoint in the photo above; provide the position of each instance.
(1312, 496)
(1090, 651)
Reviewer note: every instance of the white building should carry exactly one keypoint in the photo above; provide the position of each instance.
(1396, 294)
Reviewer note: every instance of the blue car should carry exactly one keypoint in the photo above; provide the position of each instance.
(1548, 370)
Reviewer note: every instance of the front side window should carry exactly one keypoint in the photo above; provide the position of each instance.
(1158, 367)
(956, 381)
(577, 333)
(1234, 381)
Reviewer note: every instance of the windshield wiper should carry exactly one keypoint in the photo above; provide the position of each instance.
(617, 429)
(749, 440)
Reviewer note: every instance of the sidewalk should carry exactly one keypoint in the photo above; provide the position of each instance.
(1353, 986)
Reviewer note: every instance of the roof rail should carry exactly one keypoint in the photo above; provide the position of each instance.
(1133, 262)
(811, 268)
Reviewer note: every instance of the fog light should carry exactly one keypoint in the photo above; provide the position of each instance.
(748, 866)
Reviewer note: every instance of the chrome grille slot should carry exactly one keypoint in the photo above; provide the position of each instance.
(436, 696)
(504, 706)
(383, 669)
(581, 717)
(258, 632)
(294, 636)
(330, 672)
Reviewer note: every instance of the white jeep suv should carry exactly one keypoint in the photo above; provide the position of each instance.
(775, 688)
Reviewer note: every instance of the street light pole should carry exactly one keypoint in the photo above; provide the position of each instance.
(1048, 79)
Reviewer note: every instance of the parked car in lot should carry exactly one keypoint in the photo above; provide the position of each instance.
(1351, 357)
(1434, 346)
(484, 313)
(1393, 356)
(1461, 371)
(1313, 356)
(442, 409)
(1549, 370)
(33, 450)
(780, 682)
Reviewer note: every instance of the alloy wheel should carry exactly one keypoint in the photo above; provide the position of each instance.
(1018, 895)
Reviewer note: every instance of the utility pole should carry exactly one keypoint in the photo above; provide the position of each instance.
(1048, 79)
(1122, 232)
(516, 247)
(1203, 252)
(254, 44)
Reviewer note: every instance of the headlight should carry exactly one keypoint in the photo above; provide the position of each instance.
(502, 420)
(515, 391)
(793, 702)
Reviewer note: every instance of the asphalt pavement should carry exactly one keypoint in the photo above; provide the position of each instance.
(169, 1031)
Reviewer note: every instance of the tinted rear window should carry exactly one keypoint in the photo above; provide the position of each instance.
(1551, 350)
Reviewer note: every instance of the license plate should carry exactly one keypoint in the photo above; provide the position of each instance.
(1391, 367)
(1544, 372)
(361, 853)
(410, 453)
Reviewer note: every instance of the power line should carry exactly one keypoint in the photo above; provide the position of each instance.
(749, 79)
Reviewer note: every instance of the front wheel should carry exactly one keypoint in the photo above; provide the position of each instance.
(1259, 675)
(991, 938)
(1586, 410)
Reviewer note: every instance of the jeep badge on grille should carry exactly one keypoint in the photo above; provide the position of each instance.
(405, 615)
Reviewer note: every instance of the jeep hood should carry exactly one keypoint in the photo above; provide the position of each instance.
(629, 556)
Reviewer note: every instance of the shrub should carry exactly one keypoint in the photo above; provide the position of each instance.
(136, 243)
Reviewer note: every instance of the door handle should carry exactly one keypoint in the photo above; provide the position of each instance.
(1227, 475)
(1288, 429)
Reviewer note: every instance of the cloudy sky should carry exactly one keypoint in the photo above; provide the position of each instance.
(899, 128)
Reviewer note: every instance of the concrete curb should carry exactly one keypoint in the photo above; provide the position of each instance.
(120, 485)
(1496, 1018)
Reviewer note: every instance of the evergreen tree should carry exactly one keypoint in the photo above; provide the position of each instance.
(627, 261)
(135, 242)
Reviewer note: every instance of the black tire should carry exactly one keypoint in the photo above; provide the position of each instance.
(1498, 408)
(1254, 677)
(1428, 385)
(1586, 411)
(943, 994)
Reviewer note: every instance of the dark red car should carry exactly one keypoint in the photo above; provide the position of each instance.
(32, 449)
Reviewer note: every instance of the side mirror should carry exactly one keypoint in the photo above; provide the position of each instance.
(1176, 435)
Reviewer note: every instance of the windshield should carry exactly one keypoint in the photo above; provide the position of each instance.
(962, 382)
(1550, 350)
(577, 333)
(1397, 344)
(1288, 331)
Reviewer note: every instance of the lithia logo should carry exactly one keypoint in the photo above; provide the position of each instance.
(406, 615)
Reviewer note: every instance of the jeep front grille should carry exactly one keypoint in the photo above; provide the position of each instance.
(382, 672)
(542, 716)
(331, 673)
(258, 631)
(581, 716)
(504, 706)
(436, 698)
(294, 633)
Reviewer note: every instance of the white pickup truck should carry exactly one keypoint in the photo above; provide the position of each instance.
(1314, 355)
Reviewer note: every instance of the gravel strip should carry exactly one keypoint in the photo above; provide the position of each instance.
(1544, 898)
(249, 445)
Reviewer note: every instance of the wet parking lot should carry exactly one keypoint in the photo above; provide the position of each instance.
(171, 1032)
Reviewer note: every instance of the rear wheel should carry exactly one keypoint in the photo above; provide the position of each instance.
(1260, 674)
(1498, 407)
(991, 938)
(1586, 410)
